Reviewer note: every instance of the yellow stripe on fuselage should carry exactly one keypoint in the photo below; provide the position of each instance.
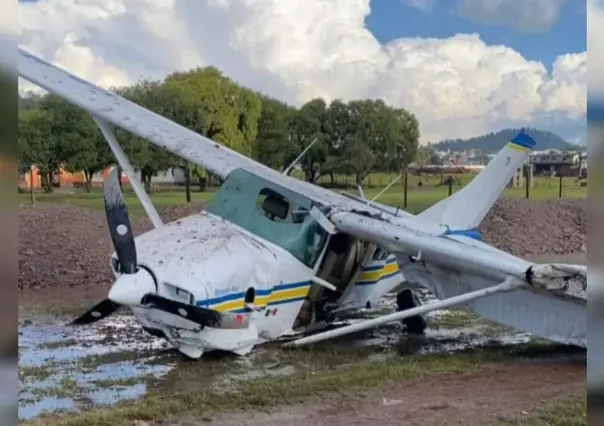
(276, 297)
(374, 276)
(518, 148)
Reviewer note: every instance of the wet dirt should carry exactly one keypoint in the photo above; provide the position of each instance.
(71, 369)
(495, 392)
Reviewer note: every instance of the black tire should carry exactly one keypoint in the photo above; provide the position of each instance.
(406, 299)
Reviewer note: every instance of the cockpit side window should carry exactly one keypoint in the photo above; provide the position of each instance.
(270, 212)
(275, 206)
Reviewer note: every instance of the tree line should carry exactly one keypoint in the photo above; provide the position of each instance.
(353, 138)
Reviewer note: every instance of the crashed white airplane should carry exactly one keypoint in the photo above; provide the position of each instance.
(271, 255)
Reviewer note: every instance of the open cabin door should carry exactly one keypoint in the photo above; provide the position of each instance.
(340, 266)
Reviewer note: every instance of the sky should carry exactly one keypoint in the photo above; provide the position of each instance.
(463, 67)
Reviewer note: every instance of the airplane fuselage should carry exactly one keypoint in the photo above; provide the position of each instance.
(208, 261)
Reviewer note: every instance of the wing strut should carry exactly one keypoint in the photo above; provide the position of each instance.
(122, 159)
(511, 283)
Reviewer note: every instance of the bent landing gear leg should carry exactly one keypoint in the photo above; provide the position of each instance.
(406, 299)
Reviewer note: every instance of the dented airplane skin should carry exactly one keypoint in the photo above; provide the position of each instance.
(271, 254)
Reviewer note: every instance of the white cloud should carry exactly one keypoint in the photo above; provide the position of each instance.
(299, 49)
(523, 15)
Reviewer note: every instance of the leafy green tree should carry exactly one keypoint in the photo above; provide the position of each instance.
(338, 128)
(214, 106)
(207, 102)
(148, 159)
(273, 143)
(79, 144)
(307, 124)
(406, 140)
(37, 147)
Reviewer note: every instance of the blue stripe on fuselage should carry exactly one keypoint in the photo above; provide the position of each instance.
(470, 233)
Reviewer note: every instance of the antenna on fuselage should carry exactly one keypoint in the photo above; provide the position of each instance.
(289, 168)
(384, 190)
(361, 192)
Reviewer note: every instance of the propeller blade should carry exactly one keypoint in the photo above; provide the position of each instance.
(100, 311)
(202, 316)
(119, 224)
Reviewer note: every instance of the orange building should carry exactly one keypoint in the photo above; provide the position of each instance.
(65, 179)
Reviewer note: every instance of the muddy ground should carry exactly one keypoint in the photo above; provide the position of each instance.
(490, 374)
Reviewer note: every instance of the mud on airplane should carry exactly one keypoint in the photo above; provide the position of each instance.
(271, 254)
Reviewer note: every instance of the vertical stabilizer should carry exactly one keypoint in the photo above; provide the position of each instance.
(463, 211)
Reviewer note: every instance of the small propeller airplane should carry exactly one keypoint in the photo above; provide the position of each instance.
(271, 255)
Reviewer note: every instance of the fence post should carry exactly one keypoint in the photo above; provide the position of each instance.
(31, 186)
(527, 182)
(560, 186)
(450, 185)
(405, 188)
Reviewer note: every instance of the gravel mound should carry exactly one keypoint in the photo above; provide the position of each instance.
(176, 212)
(523, 227)
(61, 245)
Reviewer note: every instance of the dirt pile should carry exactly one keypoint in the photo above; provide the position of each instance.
(69, 246)
(525, 227)
(62, 245)
(176, 212)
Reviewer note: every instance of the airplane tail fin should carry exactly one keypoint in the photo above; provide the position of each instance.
(463, 211)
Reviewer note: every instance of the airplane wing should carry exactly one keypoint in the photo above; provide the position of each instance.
(166, 134)
(455, 253)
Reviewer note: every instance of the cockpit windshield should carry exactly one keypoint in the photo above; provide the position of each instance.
(271, 212)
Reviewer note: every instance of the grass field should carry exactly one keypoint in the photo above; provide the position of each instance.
(418, 197)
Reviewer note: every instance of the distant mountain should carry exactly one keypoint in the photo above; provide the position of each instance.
(493, 142)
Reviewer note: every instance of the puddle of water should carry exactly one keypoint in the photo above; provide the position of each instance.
(49, 404)
(69, 368)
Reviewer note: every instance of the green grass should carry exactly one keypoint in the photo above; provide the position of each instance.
(571, 411)
(94, 199)
(418, 198)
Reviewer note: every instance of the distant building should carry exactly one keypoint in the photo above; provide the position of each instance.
(553, 161)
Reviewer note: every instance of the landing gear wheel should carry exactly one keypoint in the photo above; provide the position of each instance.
(406, 299)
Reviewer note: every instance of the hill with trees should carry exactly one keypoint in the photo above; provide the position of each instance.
(493, 142)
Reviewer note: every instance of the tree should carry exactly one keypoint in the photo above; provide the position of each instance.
(144, 156)
(214, 106)
(37, 146)
(273, 143)
(405, 139)
(338, 128)
(94, 158)
(79, 143)
(307, 124)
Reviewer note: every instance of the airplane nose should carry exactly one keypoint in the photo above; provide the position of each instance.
(129, 289)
